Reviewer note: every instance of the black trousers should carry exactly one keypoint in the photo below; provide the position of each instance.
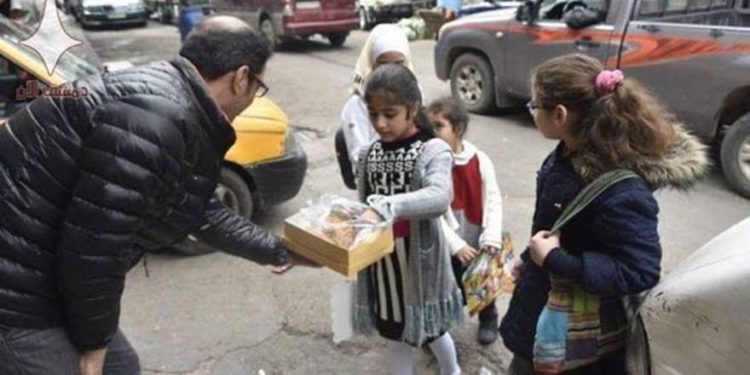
(50, 352)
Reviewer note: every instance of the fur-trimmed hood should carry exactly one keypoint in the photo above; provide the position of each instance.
(685, 163)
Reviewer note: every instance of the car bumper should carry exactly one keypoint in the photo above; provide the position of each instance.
(105, 19)
(280, 180)
(292, 28)
(391, 12)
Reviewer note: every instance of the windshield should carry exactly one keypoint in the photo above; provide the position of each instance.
(70, 67)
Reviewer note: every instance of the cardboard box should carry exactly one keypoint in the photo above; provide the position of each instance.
(347, 262)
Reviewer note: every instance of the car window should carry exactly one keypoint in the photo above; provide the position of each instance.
(698, 5)
(719, 4)
(650, 8)
(554, 9)
(70, 67)
(676, 6)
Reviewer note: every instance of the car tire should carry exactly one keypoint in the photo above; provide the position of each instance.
(165, 16)
(473, 83)
(735, 155)
(337, 39)
(365, 19)
(234, 192)
(266, 29)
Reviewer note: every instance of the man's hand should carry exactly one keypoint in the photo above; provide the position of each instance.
(542, 244)
(92, 362)
(294, 260)
(467, 254)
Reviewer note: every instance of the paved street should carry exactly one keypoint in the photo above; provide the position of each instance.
(220, 315)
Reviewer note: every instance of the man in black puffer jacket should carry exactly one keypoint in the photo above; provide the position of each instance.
(89, 184)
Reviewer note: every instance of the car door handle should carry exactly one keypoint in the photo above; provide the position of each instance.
(586, 43)
(650, 28)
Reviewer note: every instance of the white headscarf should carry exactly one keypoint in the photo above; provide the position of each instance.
(383, 38)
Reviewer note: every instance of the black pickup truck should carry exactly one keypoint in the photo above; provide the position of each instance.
(693, 54)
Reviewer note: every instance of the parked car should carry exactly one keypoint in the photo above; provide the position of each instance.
(281, 20)
(696, 321)
(265, 166)
(693, 54)
(373, 12)
(108, 12)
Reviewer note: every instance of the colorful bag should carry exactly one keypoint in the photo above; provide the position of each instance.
(569, 332)
(487, 276)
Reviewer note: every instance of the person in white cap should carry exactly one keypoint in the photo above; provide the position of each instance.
(387, 44)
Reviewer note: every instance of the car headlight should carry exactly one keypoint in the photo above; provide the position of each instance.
(290, 142)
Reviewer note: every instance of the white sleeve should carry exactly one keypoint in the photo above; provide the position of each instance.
(355, 124)
(492, 223)
(453, 240)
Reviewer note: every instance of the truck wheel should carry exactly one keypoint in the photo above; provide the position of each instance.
(234, 192)
(337, 39)
(365, 19)
(266, 28)
(735, 155)
(472, 82)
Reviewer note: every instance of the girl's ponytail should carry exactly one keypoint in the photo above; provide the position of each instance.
(615, 119)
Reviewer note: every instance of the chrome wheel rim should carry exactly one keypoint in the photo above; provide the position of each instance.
(743, 157)
(362, 19)
(470, 84)
(228, 197)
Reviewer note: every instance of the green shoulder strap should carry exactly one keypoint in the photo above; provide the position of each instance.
(589, 193)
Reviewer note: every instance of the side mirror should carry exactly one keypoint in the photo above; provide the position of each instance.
(581, 17)
(527, 13)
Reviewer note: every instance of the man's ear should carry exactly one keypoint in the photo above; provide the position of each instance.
(241, 80)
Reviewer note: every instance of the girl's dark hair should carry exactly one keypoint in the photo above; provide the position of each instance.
(400, 86)
(615, 127)
(453, 111)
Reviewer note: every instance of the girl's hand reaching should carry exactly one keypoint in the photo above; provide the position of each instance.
(467, 254)
(542, 244)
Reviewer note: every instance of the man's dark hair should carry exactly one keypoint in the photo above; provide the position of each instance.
(221, 44)
(453, 111)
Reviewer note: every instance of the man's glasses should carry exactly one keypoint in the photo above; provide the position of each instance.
(262, 87)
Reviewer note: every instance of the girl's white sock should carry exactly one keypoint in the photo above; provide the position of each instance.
(401, 358)
(445, 350)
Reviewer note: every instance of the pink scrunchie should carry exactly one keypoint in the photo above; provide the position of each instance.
(607, 81)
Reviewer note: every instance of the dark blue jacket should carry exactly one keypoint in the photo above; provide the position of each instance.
(611, 248)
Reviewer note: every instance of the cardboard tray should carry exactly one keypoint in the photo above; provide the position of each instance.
(347, 262)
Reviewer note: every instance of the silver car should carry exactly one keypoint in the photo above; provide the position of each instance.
(697, 320)
(109, 12)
